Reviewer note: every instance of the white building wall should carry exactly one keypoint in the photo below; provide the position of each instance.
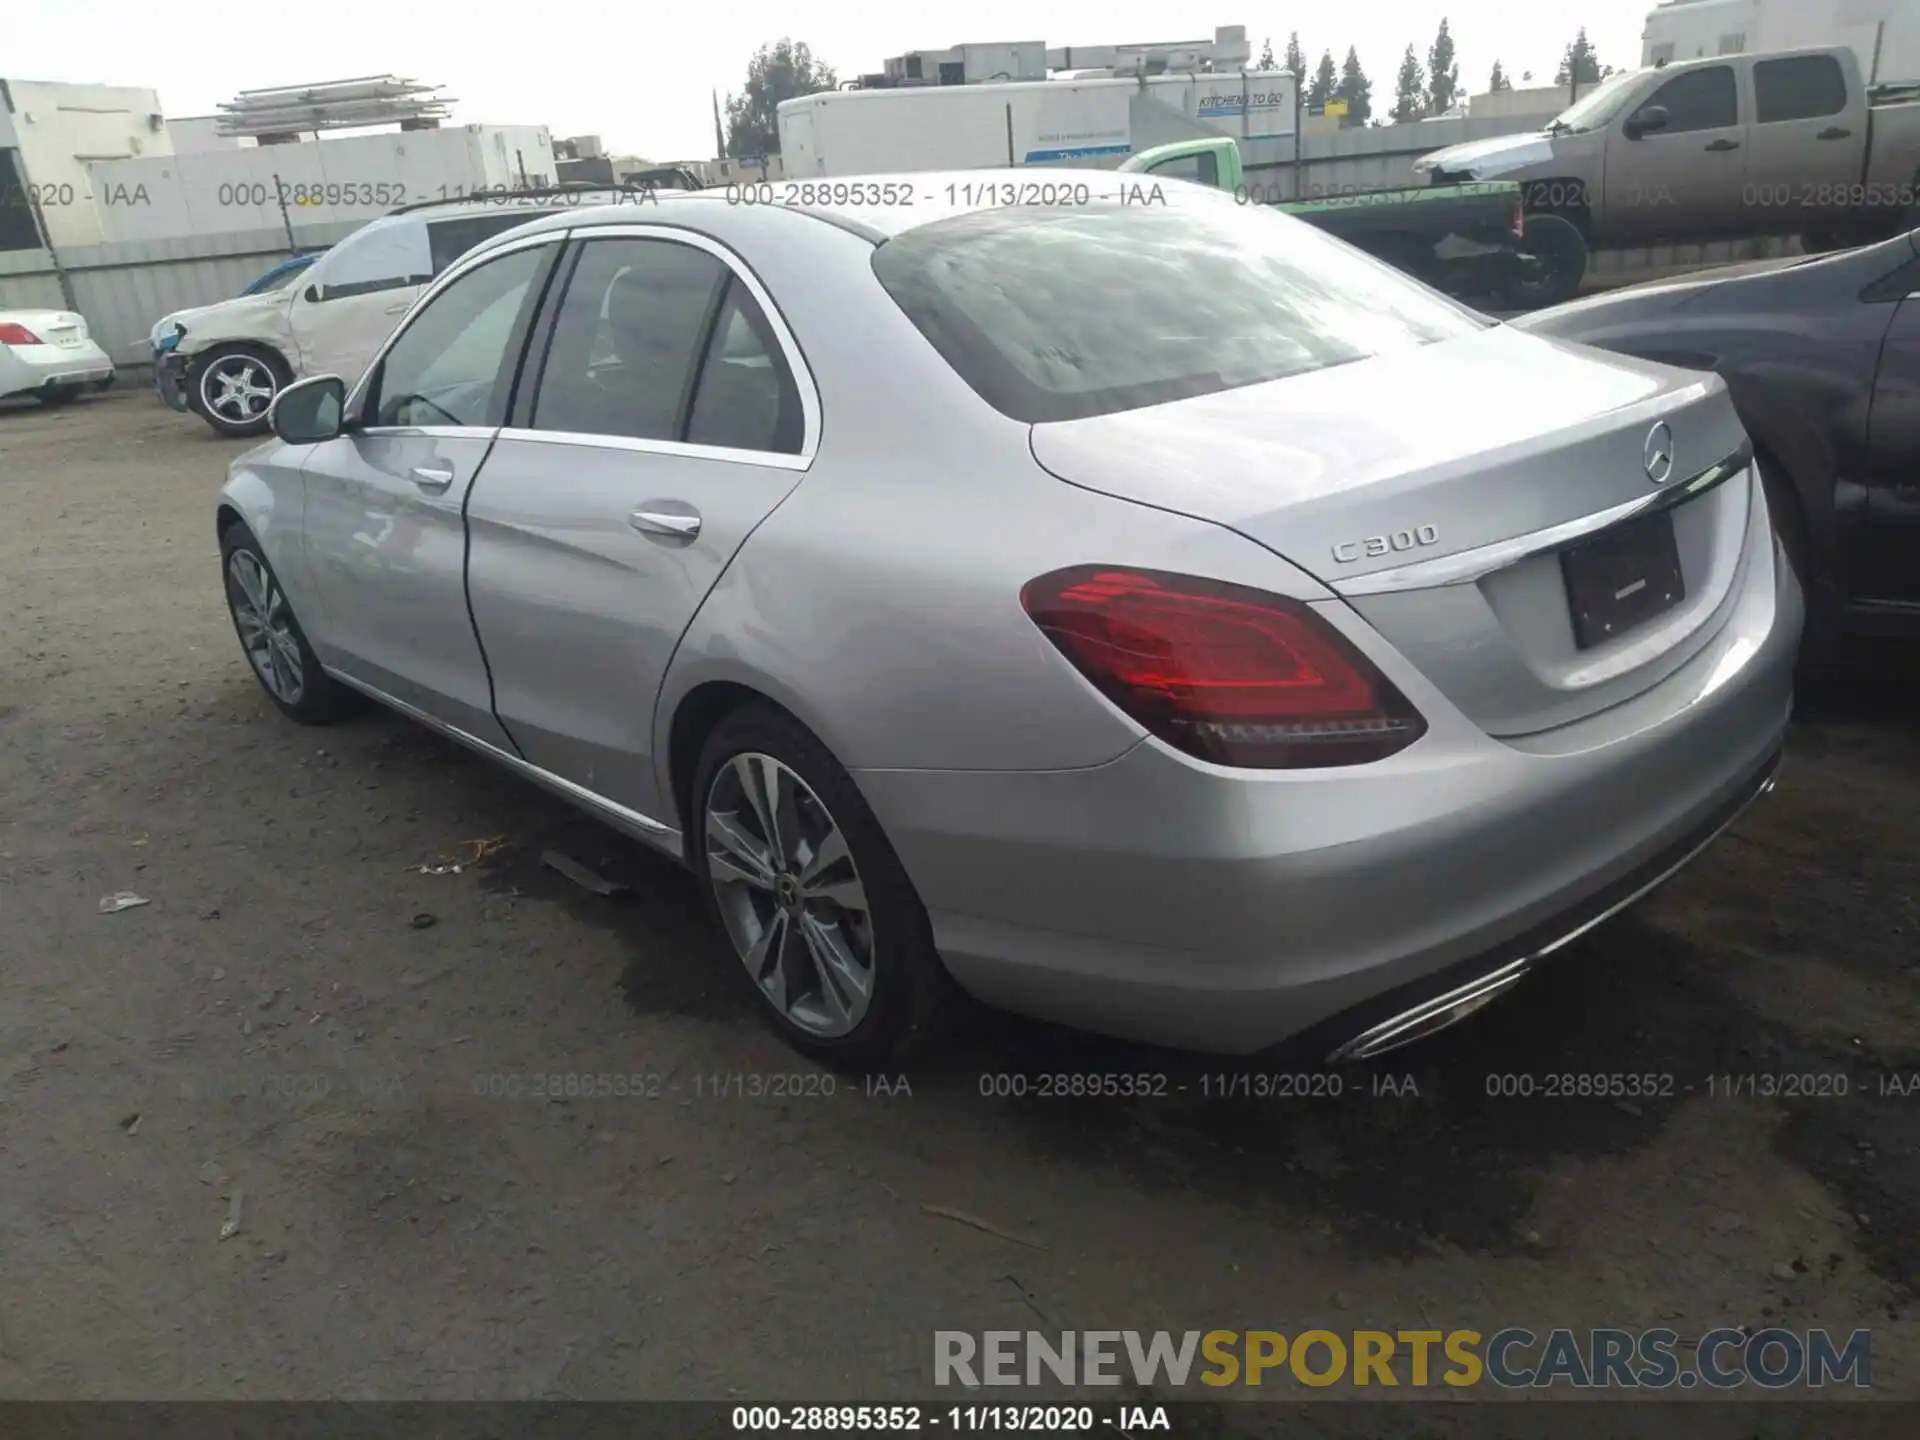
(195, 134)
(1545, 101)
(323, 181)
(59, 129)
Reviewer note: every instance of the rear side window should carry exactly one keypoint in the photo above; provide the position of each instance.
(1059, 315)
(629, 330)
(745, 398)
(1699, 100)
(1802, 87)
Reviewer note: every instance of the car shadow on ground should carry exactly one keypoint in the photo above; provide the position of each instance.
(1423, 1149)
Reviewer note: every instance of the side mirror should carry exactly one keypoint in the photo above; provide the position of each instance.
(1647, 121)
(312, 297)
(309, 411)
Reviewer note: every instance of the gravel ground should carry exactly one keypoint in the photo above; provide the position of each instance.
(280, 1039)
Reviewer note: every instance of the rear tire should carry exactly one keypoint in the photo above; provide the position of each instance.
(54, 396)
(1554, 265)
(800, 879)
(232, 387)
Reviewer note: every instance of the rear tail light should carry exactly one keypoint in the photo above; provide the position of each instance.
(1225, 673)
(1519, 221)
(12, 334)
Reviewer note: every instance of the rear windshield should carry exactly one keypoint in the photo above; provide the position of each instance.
(1058, 315)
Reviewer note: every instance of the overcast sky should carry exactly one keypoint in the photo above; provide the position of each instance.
(639, 75)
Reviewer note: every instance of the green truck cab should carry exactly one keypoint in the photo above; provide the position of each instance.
(1465, 239)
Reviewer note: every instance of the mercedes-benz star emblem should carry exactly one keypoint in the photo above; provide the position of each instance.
(1658, 456)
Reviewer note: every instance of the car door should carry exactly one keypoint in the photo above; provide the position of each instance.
(672, 413)
(1886, 560)
(1808, 135)
(1687, 176)
(386, 545)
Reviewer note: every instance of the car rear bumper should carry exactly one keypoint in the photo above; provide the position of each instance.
(57, 367)
(1223, 910)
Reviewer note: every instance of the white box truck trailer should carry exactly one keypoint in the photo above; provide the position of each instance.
(1883, 34)
(1038, 122)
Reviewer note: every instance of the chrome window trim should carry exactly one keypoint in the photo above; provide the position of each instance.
(789, 348)
(1476, 564)
(473, 260)
(769, 459)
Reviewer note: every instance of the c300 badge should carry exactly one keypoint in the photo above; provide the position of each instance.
(1372, 547)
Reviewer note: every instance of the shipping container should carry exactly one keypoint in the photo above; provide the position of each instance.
(1042, 122)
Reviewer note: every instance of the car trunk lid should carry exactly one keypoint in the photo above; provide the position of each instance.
(1437, 489)
(51, 327)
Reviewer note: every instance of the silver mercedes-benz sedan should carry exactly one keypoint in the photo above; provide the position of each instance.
(1147, 613)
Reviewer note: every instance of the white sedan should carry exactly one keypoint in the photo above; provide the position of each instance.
(49, 353)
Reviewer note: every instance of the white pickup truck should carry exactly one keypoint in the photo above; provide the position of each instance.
(1791, 142)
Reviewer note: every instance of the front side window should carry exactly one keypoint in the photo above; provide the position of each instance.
(1803, 87)
(1699, 100)
(451, 364)
(1058, 315)
(449, 239)
(626, 339)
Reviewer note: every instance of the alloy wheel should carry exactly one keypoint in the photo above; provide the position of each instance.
(238, 388)
(265, 623)
(789, 894)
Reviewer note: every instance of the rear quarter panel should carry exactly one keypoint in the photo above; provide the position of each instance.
(881, 602)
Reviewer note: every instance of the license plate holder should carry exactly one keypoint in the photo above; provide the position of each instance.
(1622, 579)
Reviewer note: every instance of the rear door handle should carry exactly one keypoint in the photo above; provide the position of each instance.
(1724, 145)
(433, 479)
(399, 309)
(677, 524)
(1833, 132)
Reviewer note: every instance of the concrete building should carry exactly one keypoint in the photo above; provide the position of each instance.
(1542, 101)
(321, 182)
(197, 134)
(55, 131)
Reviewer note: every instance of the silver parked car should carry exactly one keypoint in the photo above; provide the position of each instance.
(1157, 617)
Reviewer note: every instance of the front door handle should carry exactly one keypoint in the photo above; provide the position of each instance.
(677, 524)
(1833, 132)
(1724, 145)
(434, 479)
(399, 309)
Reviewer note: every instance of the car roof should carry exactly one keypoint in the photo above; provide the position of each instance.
(881, 206)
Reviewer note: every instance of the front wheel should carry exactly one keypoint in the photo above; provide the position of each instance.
(1553, 262)
(232, 387)
(811, 897)
(275, 645)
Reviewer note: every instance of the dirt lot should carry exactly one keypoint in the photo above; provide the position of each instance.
(279, 1023)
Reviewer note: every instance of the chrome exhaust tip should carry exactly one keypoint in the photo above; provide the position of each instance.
(1432, 1016)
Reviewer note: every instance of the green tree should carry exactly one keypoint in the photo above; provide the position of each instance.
(1265, 62)
(1325, 80)
(1579, 65)
(1355, 89)
(1409, 90)
(1443, 73)
(1498, 80)
(777, 72)
(1296, 57)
